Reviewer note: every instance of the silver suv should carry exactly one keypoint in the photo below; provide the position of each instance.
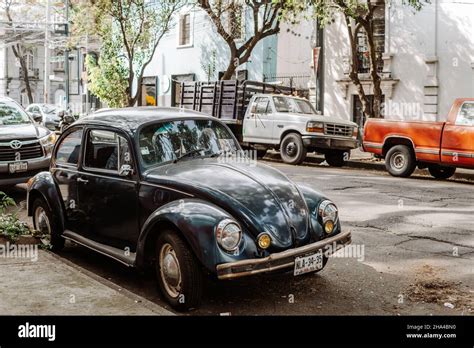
(25, 146)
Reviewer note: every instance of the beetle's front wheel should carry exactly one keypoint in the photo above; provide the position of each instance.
(43, 223)
(179, 273)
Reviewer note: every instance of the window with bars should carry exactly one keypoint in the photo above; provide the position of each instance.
(29, 60)
(184, 29)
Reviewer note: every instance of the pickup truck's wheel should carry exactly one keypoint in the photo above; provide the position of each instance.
(44, 223)
(292, 150)
(335, 158)
(400, 161)
(441, 172)
(179, 273)
(261, 153)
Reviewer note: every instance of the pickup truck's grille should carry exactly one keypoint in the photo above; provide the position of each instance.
(27, 151)
(336, 129)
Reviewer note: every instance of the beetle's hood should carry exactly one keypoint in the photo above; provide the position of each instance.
(22, 132)
(257, 195)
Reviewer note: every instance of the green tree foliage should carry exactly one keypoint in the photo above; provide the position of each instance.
(129, 32)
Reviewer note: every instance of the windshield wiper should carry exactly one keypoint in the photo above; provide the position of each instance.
(187, 154)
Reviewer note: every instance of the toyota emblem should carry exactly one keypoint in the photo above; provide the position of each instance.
(16, 144)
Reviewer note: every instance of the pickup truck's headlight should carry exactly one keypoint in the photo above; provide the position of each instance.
(228, 234)
(327, 210)
(48, 142)
(315, 127)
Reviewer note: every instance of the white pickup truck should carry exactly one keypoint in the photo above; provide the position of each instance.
(264, 116)
(291, 125)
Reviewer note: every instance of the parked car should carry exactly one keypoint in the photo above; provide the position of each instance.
(25, 146)
(439, 146)
(50, 114)
(164, 188)
(264, 116)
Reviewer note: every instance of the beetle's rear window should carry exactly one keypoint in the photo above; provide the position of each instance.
(167, 141)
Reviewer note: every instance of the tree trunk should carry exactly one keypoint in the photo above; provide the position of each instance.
(376, 80)
(24, 67)
(354, 73)
(234, 62)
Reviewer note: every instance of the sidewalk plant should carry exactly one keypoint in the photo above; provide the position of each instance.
(10, 226)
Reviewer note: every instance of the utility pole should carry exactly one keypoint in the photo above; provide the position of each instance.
(46, 54)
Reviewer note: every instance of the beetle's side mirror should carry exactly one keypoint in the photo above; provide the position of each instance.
(36, 117)
(253, 110)
(125, 170)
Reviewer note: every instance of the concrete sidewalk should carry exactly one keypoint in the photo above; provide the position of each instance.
(365, 160)
(50, 286)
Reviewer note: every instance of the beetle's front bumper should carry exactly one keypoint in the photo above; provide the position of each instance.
(281, 260)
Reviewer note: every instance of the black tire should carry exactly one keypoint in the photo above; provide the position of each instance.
(400, 161)
(441, 172)
(188, 292)
(335, 158)
(47, 225)
(292, 149)
(261, 153)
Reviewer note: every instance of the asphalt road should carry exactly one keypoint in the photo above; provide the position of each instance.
(415, 239)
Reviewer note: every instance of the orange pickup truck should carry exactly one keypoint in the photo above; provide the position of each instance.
(439, 146)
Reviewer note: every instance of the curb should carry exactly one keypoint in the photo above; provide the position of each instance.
(364, 164)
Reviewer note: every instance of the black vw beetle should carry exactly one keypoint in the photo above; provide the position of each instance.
(169, 188)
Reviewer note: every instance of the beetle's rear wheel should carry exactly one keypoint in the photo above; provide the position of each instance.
(43, 222)
(179, 273)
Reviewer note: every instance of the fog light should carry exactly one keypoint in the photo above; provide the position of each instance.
(329, 227)
(264, 241)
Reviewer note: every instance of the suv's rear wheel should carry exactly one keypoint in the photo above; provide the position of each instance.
(400, 161)
(179, 273)
(43, 222)
(441, 172)
(292, 149)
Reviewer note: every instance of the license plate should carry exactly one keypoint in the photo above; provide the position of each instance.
(310, 263)
(18, 167)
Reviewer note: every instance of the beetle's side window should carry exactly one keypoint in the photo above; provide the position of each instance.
(466, 115)
(70, 148)
(106, 150)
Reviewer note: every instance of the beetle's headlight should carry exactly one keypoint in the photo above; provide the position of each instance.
(48, 142)
(327, 210)
(228, 234)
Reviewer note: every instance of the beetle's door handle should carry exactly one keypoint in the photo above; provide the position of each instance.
(85, 181)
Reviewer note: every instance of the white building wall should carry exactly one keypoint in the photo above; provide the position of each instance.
(442, 31)
(294, 49)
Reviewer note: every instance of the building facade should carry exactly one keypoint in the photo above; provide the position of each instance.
(193, 51)
(426, 61)
(12, 83)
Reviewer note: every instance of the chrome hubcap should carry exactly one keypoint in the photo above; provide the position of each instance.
(398, 161)
(42, 223)
(170, 270)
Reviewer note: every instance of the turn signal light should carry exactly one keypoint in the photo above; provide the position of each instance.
(264, 241)
(329, 227)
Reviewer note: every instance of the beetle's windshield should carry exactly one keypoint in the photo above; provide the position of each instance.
(293, 105)
(175, 140)
(12, 114)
